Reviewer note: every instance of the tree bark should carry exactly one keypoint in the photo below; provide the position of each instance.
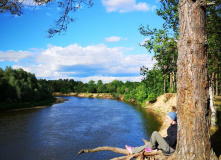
(217, 84)
(164, 85)
(174, 83)
(193, 139)
(212, 82)
(171, 80)
(164, 76)
(213, 111)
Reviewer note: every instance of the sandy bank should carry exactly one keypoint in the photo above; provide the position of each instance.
(58, 100)
(161, 107)
(89, 95)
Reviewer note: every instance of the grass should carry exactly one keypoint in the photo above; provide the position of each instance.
(98, 96)
(8, 106)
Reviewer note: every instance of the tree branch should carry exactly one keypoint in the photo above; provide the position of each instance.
(211, 3)
(123, 151)
(105, 148)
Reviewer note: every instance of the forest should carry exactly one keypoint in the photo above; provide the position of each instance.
(19, 86)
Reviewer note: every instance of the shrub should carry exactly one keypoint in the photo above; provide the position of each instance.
(151, 97)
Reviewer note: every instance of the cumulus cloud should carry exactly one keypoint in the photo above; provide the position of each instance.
(107, 79)
(123, 6)
(112, 39)
(13, 55)
(87, 63)
(48, 14)
(153, 8)
(144, 41)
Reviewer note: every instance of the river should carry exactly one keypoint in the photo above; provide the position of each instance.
(59, 132)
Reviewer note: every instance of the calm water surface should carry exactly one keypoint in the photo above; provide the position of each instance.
(59, 132)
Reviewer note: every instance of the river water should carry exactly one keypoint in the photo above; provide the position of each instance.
(59, 132)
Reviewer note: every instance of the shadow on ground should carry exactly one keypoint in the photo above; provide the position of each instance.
(216, 137)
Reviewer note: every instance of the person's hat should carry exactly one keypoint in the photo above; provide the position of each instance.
(172, 115)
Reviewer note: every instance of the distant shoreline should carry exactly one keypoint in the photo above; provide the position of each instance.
(58, 100)
(87, 95)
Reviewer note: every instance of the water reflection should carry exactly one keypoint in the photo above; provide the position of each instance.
(61, 131)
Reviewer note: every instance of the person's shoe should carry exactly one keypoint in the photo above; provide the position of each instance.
(148, 149)
(129, 148)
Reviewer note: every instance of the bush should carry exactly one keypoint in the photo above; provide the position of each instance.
(151, 97)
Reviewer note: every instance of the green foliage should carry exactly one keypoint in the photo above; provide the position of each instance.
(92, 88)
(169, 12)
(100, 86)
(151, 97)
(165, 51)
(17, 86)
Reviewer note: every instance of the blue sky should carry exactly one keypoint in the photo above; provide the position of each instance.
(103, 43)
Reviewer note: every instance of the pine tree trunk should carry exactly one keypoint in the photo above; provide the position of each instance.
(213, 114)
(212, 82)
(217, 84)
(192, 83)
(173, 82)
(164, 86)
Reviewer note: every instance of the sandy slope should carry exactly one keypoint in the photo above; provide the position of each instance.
(161, 107)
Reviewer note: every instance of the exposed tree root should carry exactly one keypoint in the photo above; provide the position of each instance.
(105, 148)
(140, 156)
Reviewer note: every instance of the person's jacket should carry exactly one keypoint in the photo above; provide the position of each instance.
(171, 138)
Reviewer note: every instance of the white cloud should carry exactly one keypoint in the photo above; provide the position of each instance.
(28, 2)
(112, 39)
(48, 14)
(87, 63)
(13, 55)
(153, 8)
(123, 6)
(107, 79)
(144, 41)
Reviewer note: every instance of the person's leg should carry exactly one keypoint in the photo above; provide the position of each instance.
(157, 139)
(141, 148)
(149, 144)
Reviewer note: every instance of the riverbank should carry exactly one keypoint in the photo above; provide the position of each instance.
(55, 100)
(163, 104)
(87, 95)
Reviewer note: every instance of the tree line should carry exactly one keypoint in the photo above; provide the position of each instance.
(19, 86)
(137, 91)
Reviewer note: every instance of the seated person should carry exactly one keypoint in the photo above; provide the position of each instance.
(166, 144)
